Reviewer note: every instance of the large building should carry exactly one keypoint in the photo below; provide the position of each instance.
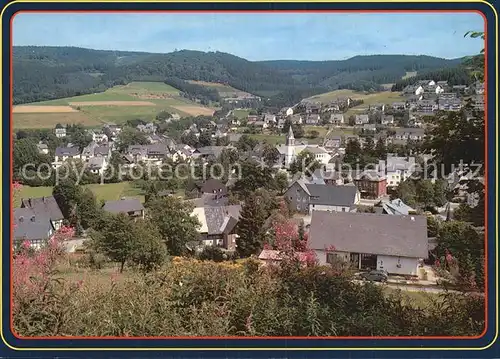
(396, 244)
(290, 151)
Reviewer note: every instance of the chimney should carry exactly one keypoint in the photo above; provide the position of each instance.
(29, 201)
(43, 199)
(32, 218)
(21, 219)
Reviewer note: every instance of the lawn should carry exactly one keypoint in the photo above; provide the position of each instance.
(222, 89)
(241, 113)
(50, 120)
(118, 104)
(371, 98)
(419, 299)
(106, 192)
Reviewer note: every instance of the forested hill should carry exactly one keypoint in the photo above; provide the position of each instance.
(43, 73)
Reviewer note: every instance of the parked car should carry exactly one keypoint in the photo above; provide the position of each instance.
(374, 276)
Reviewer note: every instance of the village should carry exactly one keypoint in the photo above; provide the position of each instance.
(337, 207)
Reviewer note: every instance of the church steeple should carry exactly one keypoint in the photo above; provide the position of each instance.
(290, 139)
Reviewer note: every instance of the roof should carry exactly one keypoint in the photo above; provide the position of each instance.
(315, 149)
(96, 163)
(402, 236)
(43, 206)
(30, 226)
(410, 130)
(67, 151)
(124, 205)
(212, 186)
(397, 207)
(332, 195)
(217, 219)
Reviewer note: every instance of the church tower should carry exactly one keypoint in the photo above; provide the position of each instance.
(290, 147)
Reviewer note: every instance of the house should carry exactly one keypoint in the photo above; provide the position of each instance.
(65, 153)
(371, 184)
(312, 108)
(211, 186)
(287, 111)
(218, 225)
(460, 89)
(307, 197)
(447, 96)
(96, 150)
(369, 127)
(414, 134)
(397, 169)
(313, 119)
(130, 206)
(296, 119)
(269, 118)
(99, 137)
(396, 244)
(399, 105)
(42, 148)
(45, 207)
(336, 119)
(397, 207)
(427, 106)
(60, 132)
(209, 151)
(479, 88)
(97, 165)
(333, 142)
(31, 227)
(453, 104)
(153, 153)
(377, 107)
(361, 120)
(387, 120)
(290, 151)
(147, 128)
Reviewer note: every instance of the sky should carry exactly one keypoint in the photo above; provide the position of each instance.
(257, 37)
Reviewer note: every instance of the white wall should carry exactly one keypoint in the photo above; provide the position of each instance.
(322, 207)
(321, 256)
(398, 265)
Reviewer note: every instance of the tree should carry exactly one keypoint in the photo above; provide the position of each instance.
(250, 227)
(149, 251)
(381, 149)
(252, 177)
(205, 139)
(305, 162)
(406, 191)
(190, 139)
(369, 147)
(130, 136)
(351, 121)
(222, 141)
(281, 179)
(298, 130)
(313, 134)
(246, 143)
(115, 238)
(439, 193)
(176, 225)
(352, 151)
(78, 135)
(270, 155)
(461, 242)
(67, 195)
(425, 193)
(87, 210)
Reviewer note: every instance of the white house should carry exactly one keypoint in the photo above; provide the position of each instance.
(290, 151)
(99, 137)
(60, 132)
(397, 169)
(65, 153)
(396, 244)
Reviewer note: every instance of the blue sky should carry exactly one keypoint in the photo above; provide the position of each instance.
(258, 36)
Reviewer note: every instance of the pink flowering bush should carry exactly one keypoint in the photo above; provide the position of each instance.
(34, 282)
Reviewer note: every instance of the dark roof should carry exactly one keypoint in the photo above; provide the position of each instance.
(67, 151)
(43, 207)
(222, 219)
(404, 236)
(332, 195)
(102, 150)
(30, 226)
(212, 186)
(123, 205)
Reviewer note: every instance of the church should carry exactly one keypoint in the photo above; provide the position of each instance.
(289, 151)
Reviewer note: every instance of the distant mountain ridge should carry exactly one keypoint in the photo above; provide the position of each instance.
(45, 72)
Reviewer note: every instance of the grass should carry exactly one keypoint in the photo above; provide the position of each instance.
(50, 120)
(417, 299)
(106, 192)
(241, 113)
(409, 74)
(165, 98)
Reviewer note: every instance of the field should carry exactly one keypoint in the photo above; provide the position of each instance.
(118, 104)
(50, 120)
(43, 109)
(241, 113)
(222, 89)
(106, 192)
